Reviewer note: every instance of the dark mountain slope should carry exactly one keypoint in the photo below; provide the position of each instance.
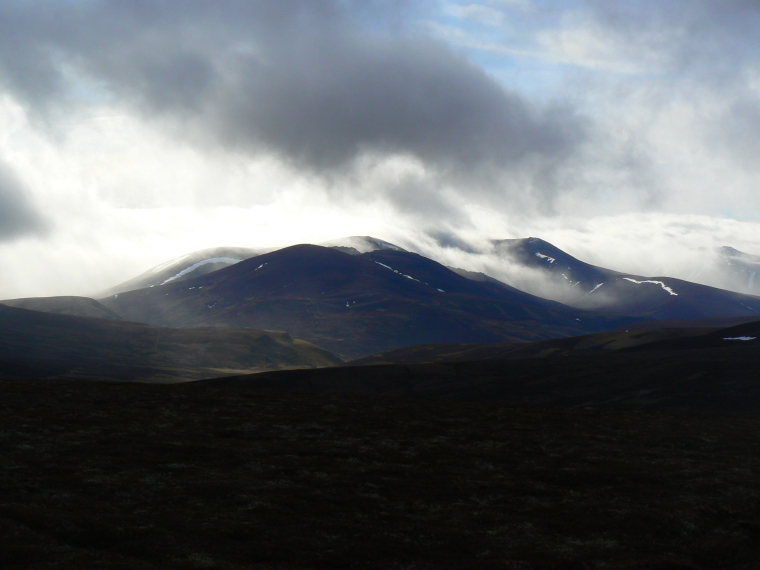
(445, 279)
(586, 286)
(356, 304)
(37, 344)
(539, 254)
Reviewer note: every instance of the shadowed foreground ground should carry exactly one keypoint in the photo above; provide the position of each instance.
(132, 476)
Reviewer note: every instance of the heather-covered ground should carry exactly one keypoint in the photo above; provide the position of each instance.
(133, 476)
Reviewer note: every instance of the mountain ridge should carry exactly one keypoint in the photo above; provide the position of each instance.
(355, 304)
(582, 285)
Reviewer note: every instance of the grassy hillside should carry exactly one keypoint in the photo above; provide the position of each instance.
(37, 344)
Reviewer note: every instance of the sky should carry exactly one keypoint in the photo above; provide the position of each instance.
(626, 132)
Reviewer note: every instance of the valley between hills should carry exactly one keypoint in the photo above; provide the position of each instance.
(357, 405)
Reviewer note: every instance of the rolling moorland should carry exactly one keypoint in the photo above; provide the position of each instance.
(477, 427)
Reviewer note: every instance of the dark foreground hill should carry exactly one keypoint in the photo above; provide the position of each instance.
(356, 305)
(36, 344)
(714, 372)
(144, 477)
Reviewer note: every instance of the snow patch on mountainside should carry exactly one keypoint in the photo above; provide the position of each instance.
(740, 338)
(399, 273)
(660, 283)
(227, 260)
(546, 257)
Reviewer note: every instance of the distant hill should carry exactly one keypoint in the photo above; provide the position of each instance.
(357, 304)
(76, 306)
(45, 345)
(740, 270)
(586, 286)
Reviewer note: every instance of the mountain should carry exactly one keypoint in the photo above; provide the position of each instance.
(45, 345)
(739, 270)
(204, 261)
(185, 267)
(701, 371)
(355, 245)
(358, 304)
(538, 254)
(586, 286)
(481, 277)
(76, 306)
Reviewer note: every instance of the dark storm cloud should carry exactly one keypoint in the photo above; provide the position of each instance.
(18, 218)
(318, 83)
(406, 95)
